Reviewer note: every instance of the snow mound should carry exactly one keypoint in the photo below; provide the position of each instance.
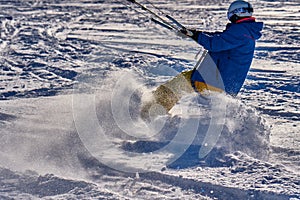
(29, 185)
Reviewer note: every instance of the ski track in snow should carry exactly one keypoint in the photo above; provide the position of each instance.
(49, 46)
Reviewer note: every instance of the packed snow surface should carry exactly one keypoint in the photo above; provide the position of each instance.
(74, 75)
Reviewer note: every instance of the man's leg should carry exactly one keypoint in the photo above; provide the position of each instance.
(169, 93)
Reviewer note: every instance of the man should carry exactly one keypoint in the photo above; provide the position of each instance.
(230, 51)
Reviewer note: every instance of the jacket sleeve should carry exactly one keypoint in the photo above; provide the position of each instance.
(229, 39)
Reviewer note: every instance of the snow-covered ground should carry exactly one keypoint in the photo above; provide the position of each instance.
(74, 74)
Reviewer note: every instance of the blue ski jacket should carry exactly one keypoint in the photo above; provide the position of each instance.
(232, 51)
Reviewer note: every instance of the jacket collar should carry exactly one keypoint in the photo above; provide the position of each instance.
(247, 19)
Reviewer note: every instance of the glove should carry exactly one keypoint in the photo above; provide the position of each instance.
(187, 32)
(192, 33)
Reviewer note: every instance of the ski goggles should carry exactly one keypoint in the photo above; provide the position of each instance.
(239, 10)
